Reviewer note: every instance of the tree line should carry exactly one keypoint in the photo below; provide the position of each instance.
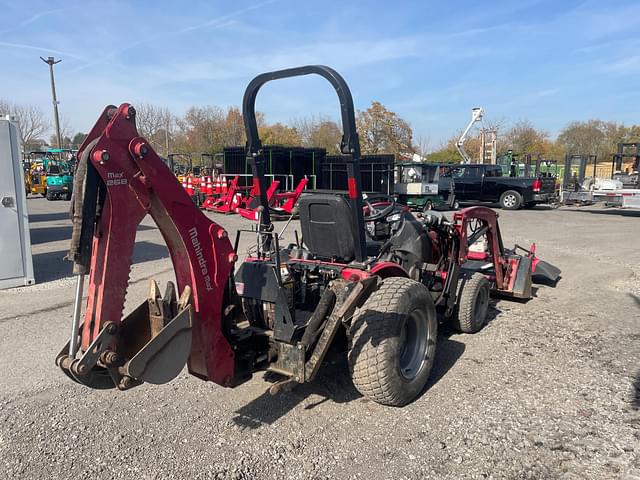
(590, 137)
(211, 128)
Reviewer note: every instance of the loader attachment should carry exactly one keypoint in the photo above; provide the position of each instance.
(545, 273)
(511, 273)
(541, 271)
(119, 181)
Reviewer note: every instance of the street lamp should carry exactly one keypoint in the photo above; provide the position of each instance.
(51, 62)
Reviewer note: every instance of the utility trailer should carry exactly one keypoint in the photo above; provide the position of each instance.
(580, 189)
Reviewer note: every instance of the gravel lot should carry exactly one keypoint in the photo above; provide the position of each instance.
(549, 389)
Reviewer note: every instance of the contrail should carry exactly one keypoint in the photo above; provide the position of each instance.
(31, 20)
(39, 49)
(215, 23)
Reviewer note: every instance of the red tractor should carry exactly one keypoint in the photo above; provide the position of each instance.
(381, 281)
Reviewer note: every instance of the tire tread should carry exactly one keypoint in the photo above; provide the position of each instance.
(371, 368)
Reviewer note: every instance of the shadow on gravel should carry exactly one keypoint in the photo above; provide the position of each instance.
(613, 211)
(55, 234)
(635, 400)
(635, 299)
(48, 217)
(447, 354)
(496, 206)
(332, 384)
(50, 266)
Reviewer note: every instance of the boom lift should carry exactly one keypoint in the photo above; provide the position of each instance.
(376, 279)
(476, 116)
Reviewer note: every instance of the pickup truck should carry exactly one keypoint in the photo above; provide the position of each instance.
(486, 183)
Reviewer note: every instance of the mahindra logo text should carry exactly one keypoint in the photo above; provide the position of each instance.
(197, 248)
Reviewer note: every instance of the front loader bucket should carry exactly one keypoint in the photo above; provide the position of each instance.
(545, 273)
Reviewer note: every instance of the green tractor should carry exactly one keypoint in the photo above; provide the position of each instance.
(59, 174)
(59, 182)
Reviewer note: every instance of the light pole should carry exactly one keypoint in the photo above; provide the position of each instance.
(51, 62)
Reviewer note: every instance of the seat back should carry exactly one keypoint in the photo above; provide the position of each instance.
(327, 229)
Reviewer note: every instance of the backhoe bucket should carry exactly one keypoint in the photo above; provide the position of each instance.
(165, 333)
(152, 344)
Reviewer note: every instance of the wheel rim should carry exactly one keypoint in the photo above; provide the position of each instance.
(509, 200)
(481, 306)
(415, 339)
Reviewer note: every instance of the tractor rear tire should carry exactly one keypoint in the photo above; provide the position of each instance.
(392, 342)
(473, 303)
(511, 200)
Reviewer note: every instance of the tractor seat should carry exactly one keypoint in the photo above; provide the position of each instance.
(327, 229)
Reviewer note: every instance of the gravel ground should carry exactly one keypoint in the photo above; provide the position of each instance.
(549, 389)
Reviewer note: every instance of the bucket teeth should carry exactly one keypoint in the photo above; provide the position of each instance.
(169, 301)
(185, 298)
(155, 308)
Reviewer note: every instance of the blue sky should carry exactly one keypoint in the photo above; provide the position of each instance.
(430, 61)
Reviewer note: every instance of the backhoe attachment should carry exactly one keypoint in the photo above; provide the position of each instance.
(120, 180)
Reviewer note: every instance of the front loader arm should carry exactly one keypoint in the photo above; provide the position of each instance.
(150, 344)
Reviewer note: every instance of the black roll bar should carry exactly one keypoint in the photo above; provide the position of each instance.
(349, 146)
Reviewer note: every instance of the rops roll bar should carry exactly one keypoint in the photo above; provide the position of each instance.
(349, 146)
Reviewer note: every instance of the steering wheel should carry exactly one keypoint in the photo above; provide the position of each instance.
(376, 214)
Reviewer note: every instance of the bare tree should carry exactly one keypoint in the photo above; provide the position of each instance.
(320, 132)
(33, 122)
(66, 134)
(596, 137)
(523, 137)
(157, 125)
(421, 144)
(203, 129)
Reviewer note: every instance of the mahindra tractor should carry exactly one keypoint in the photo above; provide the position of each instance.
(364, 274)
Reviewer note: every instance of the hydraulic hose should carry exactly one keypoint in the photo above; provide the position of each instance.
(325, 305)
(75, 210)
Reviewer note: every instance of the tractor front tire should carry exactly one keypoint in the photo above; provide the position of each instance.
(473, 303)
(50, 196)
(392, 342)
(511, 200)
